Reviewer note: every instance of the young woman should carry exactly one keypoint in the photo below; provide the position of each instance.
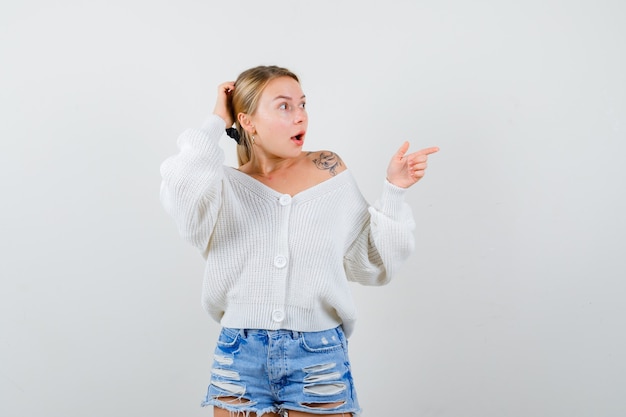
(283, 235)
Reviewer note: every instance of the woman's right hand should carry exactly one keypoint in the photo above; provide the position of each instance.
(222, 105)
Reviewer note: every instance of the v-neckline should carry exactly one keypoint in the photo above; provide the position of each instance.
(307, 193)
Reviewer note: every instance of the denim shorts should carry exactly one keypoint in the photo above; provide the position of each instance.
(272, 371)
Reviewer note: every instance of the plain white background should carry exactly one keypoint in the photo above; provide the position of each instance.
(512, 305)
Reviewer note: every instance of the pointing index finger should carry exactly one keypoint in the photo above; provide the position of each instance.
(428, 151)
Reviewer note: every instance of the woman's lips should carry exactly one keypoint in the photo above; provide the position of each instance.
(298, 139)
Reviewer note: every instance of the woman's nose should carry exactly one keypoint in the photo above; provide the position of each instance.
(300, 116)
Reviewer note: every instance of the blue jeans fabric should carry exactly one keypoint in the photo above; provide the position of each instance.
(270, 371)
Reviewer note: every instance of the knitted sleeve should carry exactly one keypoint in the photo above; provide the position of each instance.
(192, 182)
(385, 242)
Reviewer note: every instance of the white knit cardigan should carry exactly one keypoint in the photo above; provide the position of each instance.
(275, 261)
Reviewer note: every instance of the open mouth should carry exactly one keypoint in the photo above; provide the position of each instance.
(298, 139)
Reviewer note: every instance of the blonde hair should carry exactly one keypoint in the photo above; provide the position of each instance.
(245, 98)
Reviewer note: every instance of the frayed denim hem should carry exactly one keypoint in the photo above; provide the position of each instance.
(322, 411)
(240, 409)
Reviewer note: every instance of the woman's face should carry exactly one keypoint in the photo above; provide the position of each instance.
(280, 120)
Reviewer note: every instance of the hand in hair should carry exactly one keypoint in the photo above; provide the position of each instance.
(222, 104)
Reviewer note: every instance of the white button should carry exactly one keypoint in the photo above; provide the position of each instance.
(284, 199)
(280, 261)
(278, 315)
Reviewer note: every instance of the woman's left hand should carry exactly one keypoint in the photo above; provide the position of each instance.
(405, 170)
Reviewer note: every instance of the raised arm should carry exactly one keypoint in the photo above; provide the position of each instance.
(192, 179)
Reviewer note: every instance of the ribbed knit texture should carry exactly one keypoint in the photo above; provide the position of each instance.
(277, 261)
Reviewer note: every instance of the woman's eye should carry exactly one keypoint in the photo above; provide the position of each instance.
(303, 105)
(283, 106)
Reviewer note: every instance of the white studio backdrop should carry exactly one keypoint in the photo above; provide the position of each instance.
(512, 305)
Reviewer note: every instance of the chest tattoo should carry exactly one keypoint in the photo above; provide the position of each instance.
(328, 161)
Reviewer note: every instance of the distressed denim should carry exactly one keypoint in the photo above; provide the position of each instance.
(272, 371)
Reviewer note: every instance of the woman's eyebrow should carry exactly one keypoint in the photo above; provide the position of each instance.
(281, 97)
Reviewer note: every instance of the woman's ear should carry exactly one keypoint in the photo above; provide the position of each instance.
(246, 123)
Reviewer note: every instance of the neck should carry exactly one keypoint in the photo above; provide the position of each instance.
(264, 166)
